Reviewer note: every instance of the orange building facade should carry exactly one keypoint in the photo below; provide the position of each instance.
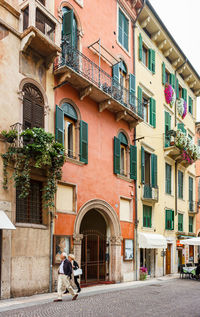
(96, 113)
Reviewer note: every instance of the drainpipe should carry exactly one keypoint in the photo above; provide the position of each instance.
(51, 252)
(136, 210)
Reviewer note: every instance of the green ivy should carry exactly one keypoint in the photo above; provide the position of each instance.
(39, 150)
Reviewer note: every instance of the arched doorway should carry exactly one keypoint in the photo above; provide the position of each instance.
(98, 223)
(94, 259)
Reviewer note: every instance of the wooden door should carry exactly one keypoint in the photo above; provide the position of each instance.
(168, 259)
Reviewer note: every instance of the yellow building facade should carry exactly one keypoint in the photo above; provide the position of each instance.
(166, 205)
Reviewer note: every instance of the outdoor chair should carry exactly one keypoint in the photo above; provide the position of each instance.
(182, 274)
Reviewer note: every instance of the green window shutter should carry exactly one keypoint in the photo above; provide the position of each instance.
(140, 112)
(147, 216)
(125, 33)
(190, 224)
(123, 30)
(190, 102)
(167, 128)
(83, 142)
(181, 127)
(133, 162)
(172, 219)
(142, 164)
(120, 30)
(168, 178)
(184, 94)
(180, 222)
(132, 90)
(190, 189)
(140, 47)
(59, 133)
(166, 219)
(153, 56)
(154, 170)
(150, 60)
(115, 74)
(169, 219)
(153, 112)
(177, 88)
(116, 155)
(180, 184)
(172, 80)
(67, 29)
(163, 74)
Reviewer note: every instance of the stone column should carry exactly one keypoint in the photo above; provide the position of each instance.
(32, 13)
(77, 247)
(115, 259)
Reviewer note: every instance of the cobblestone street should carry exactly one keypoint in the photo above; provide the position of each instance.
(171, 298)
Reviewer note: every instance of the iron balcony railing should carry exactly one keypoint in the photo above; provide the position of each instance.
(193, 206)
(82, 65)
(150, 192)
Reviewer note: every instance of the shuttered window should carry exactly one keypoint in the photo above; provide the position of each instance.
(180, 222)
(132, 90)
(180, 184)
(83, 142)
(147, 216)
(191, 224)
(163, 74)
(29, 209)
(190, 105)
(153, 112)
(181, 127)
(168, 180)
(123, 30)
(167, 128)
(133, 162)
(152, 60)
(152, 165)
(184, 94)
(69, 28)
(172, 80)
(169, 219)
(33, 107)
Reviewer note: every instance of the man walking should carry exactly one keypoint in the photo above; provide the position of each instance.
(64, 276)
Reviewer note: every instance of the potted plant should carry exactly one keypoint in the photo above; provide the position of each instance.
(9, 136)
(143, 273)
(27, 135)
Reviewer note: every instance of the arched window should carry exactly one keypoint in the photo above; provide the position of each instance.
(123, 153)
(70, 118)
(69, 28)
(33, 107)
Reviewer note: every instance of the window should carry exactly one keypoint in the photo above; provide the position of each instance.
(147, 216)
(149, 106)
(146, 55)
(123, 30)
(65, 198)
(148, 169)
(191, 203)
(168, 181)
(25, 14)
(167, 128)
(170, 78)
(167, 76)
(29, 209)
(42, 2)
(169, 219)
(180, 222)
(190, 224)
(125, 210)
(69, 29)
(180, 184)
(33, 107)
(190, 105)
(45, 25)
(68, 134)
(182, 128)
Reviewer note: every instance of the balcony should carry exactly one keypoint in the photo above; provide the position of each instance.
(180, 148)
(193, 207)
(90, 80)
(149, 193)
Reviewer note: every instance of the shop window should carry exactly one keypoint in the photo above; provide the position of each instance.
(29, 209)
(68, 134)
(168, 179)
(65, 198)
(123, 30)
(191, 224)
(169, 219)
(147, 55)
(125, 210)
(33, 107)
(180, 222)
(149, 106)
(45, 25)
(125, 157)
(148, 169)
(147, 216)
(180, 184)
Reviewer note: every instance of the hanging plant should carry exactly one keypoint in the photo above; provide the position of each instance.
(170, 95)
(41, 151)
(181, 107)
(9, 136)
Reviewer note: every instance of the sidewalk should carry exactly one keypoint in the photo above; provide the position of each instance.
(22, 302)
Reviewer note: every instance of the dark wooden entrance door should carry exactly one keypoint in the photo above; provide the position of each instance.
(93, 257)
(168, 259)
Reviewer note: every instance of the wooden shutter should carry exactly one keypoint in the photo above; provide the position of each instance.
(150, 60)
(153, 61)
(177, 88)
(169, 219)
(38, 115)
(115, 74)
(167, 128)
(154, 170)
(27, 113)
(116, 155)
(140, 110)
(168, 178)
(163, 74)
(153, 112)
(181, 127)
(180, 184)
(133, 162)
(67, 29)
(132, 90)
(83, 141)
(142, 164)
(172, 219)
(190, 189)
(172, 80)
(120, 29)
(59, 133)
(140, 47)
(184, 94)
(125, 33)
(190, 105)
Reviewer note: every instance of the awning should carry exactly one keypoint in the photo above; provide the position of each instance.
(152, 241)
(192, 241)
(5, 222)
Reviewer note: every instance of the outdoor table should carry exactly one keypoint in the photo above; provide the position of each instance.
(189, 269)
